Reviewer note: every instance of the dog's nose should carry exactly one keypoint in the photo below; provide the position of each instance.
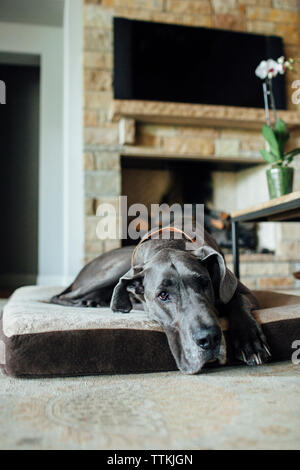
(208, 338)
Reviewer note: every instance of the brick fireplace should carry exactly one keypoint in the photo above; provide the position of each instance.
(224, 139)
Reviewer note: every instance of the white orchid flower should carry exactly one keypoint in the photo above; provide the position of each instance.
(270, 68)
(284, 64)
(288, 64)
(267, 68)
(281, 68)
(261, 70)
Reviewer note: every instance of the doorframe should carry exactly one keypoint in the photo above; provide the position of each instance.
(61, 192)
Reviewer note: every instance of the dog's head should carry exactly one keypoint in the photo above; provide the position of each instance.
(180, 290)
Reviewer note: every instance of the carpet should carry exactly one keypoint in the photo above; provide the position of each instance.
(229, 408)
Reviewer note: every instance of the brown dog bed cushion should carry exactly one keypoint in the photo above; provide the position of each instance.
(42, 339)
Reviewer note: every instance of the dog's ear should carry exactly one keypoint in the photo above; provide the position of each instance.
(132, 281)
(224, 281)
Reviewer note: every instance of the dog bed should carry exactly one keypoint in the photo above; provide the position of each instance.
(39, 339)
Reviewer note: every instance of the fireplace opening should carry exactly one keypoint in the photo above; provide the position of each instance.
(157, 181)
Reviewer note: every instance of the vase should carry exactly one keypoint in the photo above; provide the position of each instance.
(280, 181)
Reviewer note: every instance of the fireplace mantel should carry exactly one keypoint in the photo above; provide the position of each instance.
(129, 113)
(220, 162)
(196, 114)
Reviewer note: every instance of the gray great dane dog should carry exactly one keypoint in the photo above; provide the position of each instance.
(185, 288)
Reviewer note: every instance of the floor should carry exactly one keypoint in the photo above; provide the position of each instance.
(226, 408)
(229, 408)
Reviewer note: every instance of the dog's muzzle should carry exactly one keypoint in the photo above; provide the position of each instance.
(208, 338)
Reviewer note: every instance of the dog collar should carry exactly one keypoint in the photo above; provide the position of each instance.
(149, 235)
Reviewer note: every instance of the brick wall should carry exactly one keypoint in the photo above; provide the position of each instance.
(101, 148)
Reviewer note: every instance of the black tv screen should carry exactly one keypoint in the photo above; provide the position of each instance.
(163, 62)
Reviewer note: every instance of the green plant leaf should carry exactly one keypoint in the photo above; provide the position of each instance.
(287, 161)
(289, 156)
(268, 156)
(270, 137)
(293, 152)
(280, 127)
(281, 133)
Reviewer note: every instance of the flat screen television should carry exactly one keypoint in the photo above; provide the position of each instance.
(163, 62)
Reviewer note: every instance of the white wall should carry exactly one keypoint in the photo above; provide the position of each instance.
(252, 189)
(242, 189)
(224, 190)
(73, 141)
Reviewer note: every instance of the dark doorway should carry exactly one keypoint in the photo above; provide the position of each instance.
(19, 168)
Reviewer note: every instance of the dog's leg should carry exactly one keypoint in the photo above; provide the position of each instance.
(246, 335)
(99, 298)
(94, 284)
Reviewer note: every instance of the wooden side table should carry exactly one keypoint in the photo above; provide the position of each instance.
(282, 209)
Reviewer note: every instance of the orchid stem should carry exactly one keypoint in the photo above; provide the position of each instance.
(272, 100)
(266, 102)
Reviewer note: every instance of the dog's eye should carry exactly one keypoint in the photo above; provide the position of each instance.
(163, 296)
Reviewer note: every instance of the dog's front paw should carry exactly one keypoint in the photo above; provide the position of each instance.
(249, 343)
